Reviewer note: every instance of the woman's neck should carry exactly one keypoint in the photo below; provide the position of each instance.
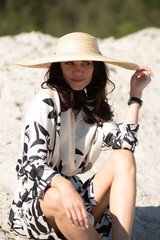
(75, 112)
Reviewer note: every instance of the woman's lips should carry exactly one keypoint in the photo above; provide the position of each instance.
(77, 80)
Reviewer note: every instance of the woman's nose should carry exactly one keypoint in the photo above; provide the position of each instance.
(78, 70)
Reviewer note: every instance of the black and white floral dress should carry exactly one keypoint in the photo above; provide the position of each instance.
(57, 143)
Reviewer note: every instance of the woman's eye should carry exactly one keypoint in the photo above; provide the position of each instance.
(68, 63)
(86, 63)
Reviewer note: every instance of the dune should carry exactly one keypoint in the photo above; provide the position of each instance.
(19, 85)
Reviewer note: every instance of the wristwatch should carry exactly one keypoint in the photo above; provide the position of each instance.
(135, 99)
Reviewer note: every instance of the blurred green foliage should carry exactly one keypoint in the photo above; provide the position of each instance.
(101, 18)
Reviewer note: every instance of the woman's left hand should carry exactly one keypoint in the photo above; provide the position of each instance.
(140, 79)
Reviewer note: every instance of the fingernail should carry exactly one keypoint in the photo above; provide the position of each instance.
(81, 228)
(73, 225)
(87, 226)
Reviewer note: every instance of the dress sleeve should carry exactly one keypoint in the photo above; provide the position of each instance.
(120, 136)
(38, 144)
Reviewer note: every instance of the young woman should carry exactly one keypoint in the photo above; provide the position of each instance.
(67, 126)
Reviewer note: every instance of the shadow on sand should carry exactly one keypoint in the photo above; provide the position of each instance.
(146, 224)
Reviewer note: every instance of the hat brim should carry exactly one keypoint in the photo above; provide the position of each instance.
(46, 62)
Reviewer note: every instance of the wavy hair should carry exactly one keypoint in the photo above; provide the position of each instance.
(96, 91)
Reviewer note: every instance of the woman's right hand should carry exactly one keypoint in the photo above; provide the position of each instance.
(72, 202)
(140, 79)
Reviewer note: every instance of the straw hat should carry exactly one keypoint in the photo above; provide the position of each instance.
(77, 46)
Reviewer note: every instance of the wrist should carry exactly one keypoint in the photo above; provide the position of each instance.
(136, 94)
(136, 100)
(59, 182)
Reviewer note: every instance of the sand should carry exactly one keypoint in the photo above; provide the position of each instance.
(19, 85)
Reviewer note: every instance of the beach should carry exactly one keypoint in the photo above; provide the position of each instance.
(19, 85)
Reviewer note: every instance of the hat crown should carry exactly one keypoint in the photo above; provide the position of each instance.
(77, 43)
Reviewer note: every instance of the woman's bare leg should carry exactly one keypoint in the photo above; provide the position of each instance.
(115, 182)
(53, 210)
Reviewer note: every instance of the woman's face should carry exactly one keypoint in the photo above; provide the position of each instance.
(77, 74)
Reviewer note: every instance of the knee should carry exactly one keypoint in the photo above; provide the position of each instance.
(53, 201)
(124, 162)
(52, 195)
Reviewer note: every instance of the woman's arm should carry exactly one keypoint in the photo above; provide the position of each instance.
(41, 129)
(140, 79)
(117, 136)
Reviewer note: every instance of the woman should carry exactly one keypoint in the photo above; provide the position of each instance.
(67, 125)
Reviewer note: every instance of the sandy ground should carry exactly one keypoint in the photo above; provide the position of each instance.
(19, 85)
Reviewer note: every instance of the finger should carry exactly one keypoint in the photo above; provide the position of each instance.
(80, 219)
(142, 68)
(83, 216)
(86, 218)
(70, 218)
(143, 72)
(74, 217)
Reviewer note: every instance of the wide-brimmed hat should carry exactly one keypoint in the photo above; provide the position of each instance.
(77, 46)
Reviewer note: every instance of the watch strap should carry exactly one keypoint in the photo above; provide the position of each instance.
(135, 99)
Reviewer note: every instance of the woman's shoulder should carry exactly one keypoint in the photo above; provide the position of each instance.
(46, 97)
(44, 101)
(47, 93)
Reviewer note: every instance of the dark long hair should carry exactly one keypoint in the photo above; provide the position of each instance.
(96, 91)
